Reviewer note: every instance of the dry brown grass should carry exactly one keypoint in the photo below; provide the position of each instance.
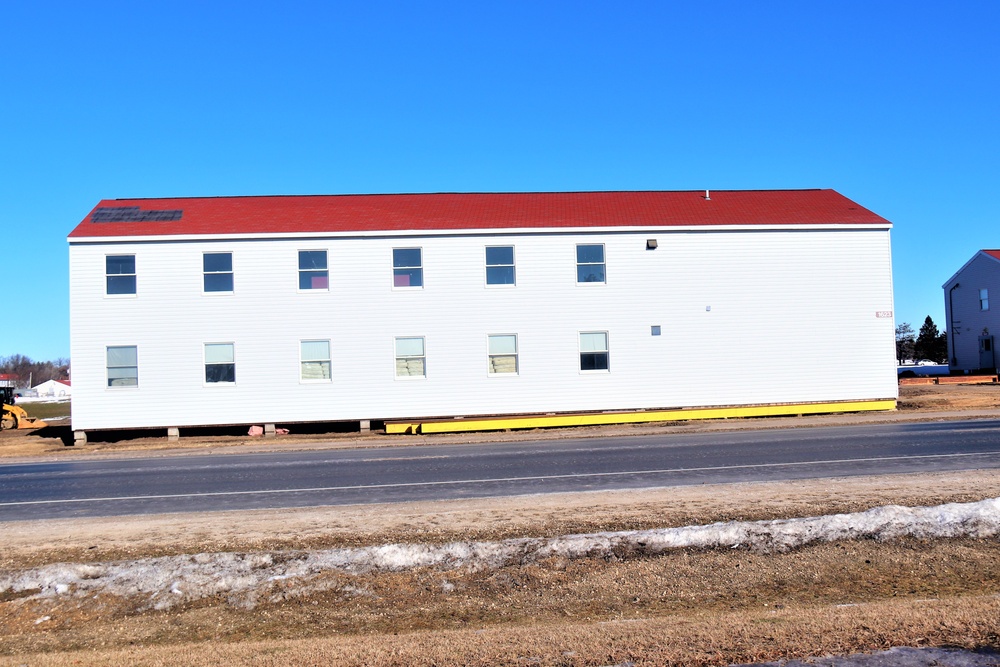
(709, 639)
(689, 608)
(949, 397)
(683, 608)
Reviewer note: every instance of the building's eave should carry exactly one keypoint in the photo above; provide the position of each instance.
(983, 253)
(533, 231)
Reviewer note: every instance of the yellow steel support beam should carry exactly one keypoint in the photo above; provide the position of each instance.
(599, 418)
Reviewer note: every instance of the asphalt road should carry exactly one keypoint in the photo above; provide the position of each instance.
(115, 487)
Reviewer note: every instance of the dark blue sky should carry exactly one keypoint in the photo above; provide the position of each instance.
(894, 104)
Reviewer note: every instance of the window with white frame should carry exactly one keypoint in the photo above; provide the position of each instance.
(984, 299)
(315, 358)
(500, 265)
(218, 271)
(411, 361)
(407, 267)
(123, 365)
(590, 263)
(313, 270)
(120, 273)
(220, 363)
(502, 354)
(594, 351)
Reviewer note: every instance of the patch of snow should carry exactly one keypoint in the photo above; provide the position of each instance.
(243, 578)
(896, 657)
(932, 369)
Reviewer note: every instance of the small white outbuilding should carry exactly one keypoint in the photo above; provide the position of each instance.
(54, 389)
(284, 309)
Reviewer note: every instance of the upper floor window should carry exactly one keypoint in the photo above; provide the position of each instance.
(407, 267)
(984, 299)
(218, 268)
(500, 265)
(315, 356)
(594, 351)
(502, 354)
(123, 366)
(313, 271)
(220, 363)
(120, 271)
(410, 357)
(590, 263)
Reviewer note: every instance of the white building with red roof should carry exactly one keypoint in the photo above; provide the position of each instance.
(54, 389)
(285, 309)
(971, 322)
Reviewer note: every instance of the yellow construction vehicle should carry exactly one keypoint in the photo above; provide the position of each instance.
(13, 416)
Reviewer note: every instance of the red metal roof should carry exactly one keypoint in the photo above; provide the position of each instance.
(995, 254)
(213, 216)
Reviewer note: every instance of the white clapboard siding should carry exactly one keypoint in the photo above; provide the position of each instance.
(747, 317)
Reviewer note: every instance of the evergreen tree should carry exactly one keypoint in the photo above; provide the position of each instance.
(942, 347)
(904, 342)
(928, 345)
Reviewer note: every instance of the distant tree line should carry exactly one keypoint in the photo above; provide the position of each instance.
(25, 370)
(927, 344)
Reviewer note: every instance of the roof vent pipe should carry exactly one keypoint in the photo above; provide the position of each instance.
(707, 198)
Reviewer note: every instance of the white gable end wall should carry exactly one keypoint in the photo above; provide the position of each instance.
(746, 317)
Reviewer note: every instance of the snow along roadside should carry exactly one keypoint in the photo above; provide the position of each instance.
(246, 578)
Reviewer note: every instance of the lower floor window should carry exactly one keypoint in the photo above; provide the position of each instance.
(503, 354)
(315, 360)
(594, 351)
(123, 366)
(410, 357)
(220, 363)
